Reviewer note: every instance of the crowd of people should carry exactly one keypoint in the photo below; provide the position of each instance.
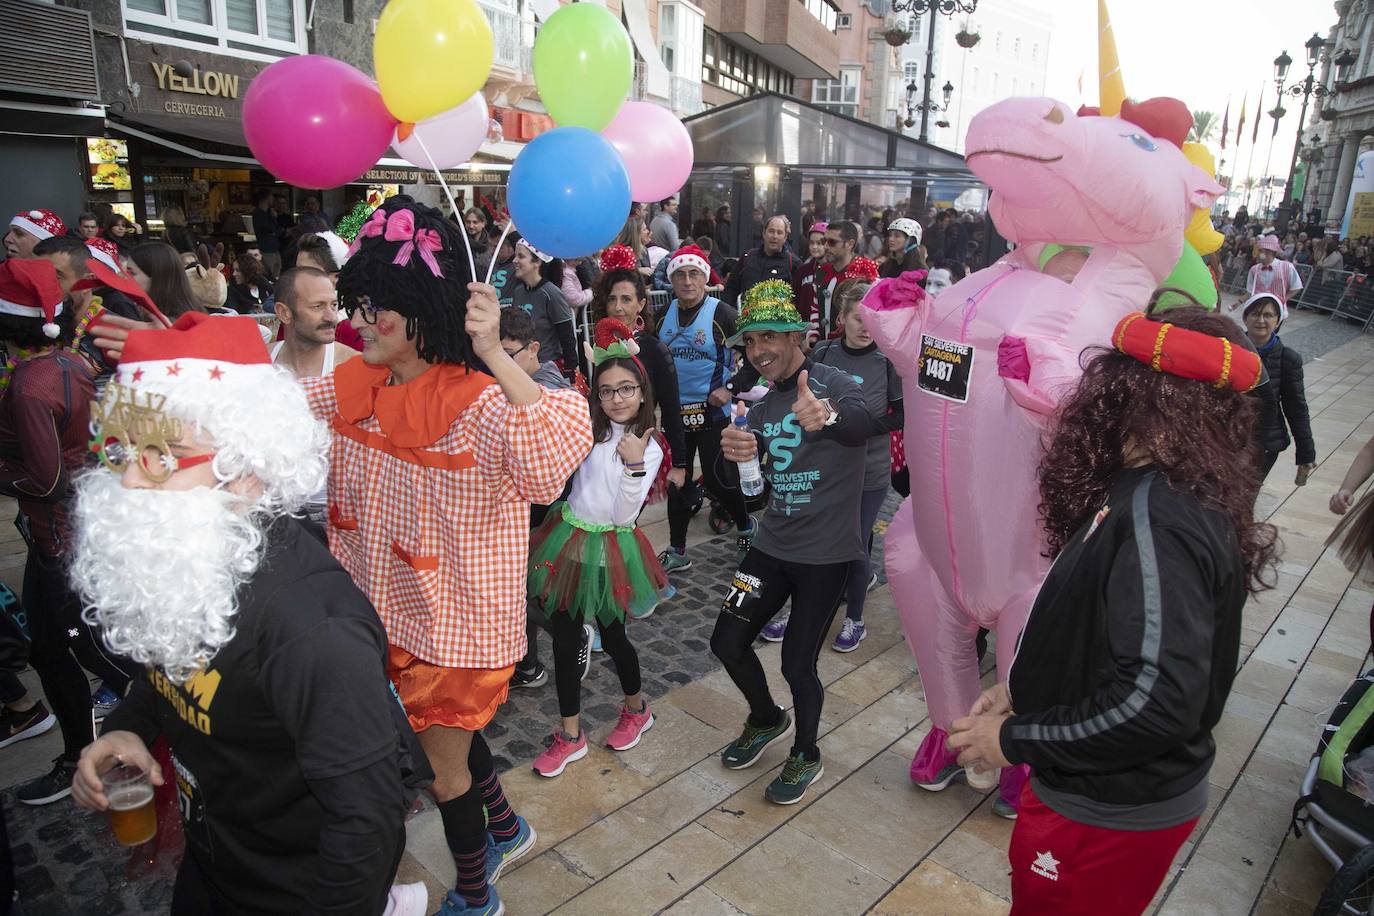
(422, 473)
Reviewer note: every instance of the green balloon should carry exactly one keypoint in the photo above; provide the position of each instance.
(583, 66)
(1191, 275)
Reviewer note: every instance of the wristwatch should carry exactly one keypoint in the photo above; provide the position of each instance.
(833, 415)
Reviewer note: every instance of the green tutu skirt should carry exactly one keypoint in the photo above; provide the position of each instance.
(593, 572)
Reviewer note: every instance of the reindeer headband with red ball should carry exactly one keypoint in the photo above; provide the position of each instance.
(614, 340)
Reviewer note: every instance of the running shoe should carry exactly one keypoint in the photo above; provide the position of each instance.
(561, 751)
(103, 702)
(595, 638)
(745, 750)
(501, 855)
(672, 561)
(791, 784)
(408, 900)
(776, 629)
(535, 677)
(54, 785)
(455, 905)
(630, 728)
(32, 722)
(584, 652)
(852, 632)
(947, 775)
(745, 538)
(1003, 808)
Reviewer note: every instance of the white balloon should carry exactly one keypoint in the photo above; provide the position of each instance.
(446, 140)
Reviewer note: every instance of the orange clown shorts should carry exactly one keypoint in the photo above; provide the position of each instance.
(465, 698)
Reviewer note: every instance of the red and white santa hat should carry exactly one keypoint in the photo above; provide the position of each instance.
(689, 256)
(199, 350)
(42, 224)
(106, 252)
(29, 289)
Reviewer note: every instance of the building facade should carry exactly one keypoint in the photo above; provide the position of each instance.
(1345, 121)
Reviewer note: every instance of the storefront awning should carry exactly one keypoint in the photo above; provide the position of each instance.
(216, 140)
(38, 120)
(778, 130)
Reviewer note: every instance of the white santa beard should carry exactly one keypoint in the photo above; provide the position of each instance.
(159, 570)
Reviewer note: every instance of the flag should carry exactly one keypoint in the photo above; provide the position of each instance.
(1240, 126)
(1226, 124)
(1254, 136)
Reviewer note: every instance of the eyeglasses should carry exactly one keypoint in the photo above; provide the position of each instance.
(514, 353)
(363, 304)
(156, 460)
(620, 392)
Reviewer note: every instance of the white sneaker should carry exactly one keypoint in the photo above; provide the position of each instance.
(407, 900)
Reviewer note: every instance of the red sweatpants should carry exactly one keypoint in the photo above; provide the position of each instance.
(1060, 867)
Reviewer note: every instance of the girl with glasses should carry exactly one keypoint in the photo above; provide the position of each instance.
(589, 562)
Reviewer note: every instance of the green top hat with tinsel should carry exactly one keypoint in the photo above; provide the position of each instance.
(768, 307)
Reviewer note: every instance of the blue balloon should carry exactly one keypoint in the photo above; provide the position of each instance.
(569, 192)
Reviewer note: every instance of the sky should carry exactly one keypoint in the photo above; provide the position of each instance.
(1200, 51)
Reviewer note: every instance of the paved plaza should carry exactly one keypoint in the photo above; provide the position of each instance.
(665, 828)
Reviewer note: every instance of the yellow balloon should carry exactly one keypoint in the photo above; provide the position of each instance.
(1200, 233)
(430, 55)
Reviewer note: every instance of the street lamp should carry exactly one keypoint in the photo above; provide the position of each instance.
(920, 8)
(927, 105)
(1305, 89)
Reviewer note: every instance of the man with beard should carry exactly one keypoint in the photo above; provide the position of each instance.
(841, 247)
(266, 665)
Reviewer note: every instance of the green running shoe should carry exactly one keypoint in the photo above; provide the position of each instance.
(745, 750)
(797, 774)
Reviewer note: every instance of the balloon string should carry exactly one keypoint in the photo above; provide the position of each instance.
(495, 252)
(458, 217)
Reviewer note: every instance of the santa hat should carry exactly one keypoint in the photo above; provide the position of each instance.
(29, 289)
(105, 251)
(539, 255)
(689, 256)
(102, 277)
(618, 257)
(42, 224)
(213, 373)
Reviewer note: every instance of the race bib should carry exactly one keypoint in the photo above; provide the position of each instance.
(944, 368)
(694, 416)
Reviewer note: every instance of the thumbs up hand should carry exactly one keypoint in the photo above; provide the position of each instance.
(810, 411)
(631, 447)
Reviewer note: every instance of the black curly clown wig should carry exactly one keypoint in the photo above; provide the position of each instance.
(435, 308)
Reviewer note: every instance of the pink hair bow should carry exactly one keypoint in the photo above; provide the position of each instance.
(400, 227)
(375, 225)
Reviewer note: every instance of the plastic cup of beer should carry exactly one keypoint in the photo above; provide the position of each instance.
(132, 813)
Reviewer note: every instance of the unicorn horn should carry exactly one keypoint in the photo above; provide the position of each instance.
(1111, 88)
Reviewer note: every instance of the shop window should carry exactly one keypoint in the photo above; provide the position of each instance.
(250, 28)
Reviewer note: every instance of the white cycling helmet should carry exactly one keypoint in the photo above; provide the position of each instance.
(908, 226)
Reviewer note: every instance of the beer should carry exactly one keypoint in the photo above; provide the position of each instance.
(132, 813)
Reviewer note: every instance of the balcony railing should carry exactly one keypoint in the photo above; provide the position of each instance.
(505, 30)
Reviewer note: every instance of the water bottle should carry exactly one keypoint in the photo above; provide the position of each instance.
(750, 478)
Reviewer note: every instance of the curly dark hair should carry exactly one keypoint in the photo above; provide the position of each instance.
(607, 281)
(1199, 437)
(435, 308)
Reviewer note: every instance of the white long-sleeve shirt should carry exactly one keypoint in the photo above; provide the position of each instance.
(602, 493)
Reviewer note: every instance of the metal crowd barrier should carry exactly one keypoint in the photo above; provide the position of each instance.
(1340, 293)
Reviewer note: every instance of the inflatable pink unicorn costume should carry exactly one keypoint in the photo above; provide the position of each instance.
(985, 364)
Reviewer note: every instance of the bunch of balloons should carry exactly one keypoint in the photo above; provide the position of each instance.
(316, 122)
(570, 189)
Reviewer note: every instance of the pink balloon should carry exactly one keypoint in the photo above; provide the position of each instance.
(655, 146)
(316, 122)
(450, 137)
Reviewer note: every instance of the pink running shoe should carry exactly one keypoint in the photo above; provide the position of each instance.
(934, 766)
(561, 752)
(630, 728)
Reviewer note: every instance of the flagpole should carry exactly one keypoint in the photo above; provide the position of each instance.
(1250, 164)
(1268, 153)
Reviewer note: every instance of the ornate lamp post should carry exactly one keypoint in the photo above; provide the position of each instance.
(1304, 89)
(926, 105)
(920, 8)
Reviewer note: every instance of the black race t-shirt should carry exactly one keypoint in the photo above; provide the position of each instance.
(299, 693)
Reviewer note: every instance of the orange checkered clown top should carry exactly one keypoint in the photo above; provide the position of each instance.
(430, 485)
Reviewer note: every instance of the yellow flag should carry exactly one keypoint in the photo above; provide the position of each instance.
(1112, 89)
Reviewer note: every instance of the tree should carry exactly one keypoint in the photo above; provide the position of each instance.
(1204, 126)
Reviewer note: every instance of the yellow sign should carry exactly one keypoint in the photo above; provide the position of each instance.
(1362, 215)
(224, 85)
